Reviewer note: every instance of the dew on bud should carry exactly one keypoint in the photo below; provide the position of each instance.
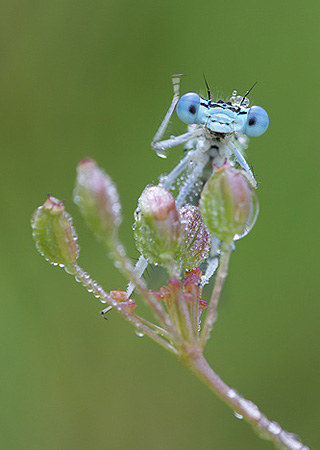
(54, 234)
(98, 199)
(124, 303)
(229, 205)
(195, 242)
(157, 226)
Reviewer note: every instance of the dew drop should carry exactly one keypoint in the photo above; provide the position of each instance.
(161, 154)
(250, 408)
(274, 428)
(139, 332)
(232, 393)
(237, 415)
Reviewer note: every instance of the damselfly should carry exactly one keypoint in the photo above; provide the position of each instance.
(217, 133)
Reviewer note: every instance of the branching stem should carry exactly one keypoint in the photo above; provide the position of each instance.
(99, 292)
(127, 268)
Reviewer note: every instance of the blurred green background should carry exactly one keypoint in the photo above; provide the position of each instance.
(82, 78)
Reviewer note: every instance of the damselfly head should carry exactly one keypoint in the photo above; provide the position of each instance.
(223, 118)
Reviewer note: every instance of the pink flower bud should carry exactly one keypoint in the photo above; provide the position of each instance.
(121, 297)
(196, 240)
(98, 199)
(157, 226)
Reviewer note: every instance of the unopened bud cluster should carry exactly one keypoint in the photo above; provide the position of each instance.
(190, 289)
(178, 239)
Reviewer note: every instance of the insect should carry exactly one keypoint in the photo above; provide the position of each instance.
(218, 132)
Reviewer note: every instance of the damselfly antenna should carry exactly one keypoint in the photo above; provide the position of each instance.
(207, 86)
(247, 93)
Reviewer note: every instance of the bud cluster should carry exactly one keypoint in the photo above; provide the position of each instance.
(189, 291)
(178, 239)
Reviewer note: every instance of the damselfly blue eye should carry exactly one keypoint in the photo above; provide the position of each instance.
(187, 108)
(257, 121)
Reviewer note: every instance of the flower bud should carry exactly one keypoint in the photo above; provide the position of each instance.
(54, 234)
(98, 199)
(229, 205)
(196, 240)
(121, 297)
(157, 226)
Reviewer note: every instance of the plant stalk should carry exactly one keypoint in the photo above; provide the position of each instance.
(265, 428)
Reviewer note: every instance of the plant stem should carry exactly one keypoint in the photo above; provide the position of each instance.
(266, 429)
(211, 315)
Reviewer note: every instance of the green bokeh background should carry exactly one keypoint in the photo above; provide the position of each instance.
(82, 78)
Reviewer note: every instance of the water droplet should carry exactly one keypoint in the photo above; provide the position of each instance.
(161, 153)
(274, 428)
(139, 332)
(232, 393)
(250, 408)
(237, 415)
(61, 265)
(77, 279)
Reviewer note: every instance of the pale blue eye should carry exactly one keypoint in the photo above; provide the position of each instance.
(257, 121)
(188, 107)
